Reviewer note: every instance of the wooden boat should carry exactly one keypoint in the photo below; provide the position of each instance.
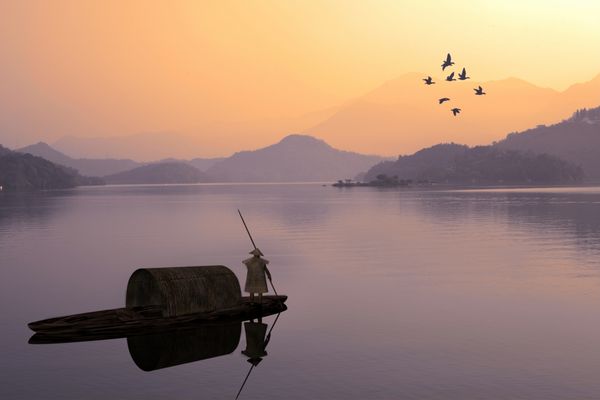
(126, 322)
(162, 299)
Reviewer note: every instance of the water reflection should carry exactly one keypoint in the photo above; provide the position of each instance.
(168, 349)
(257, 340)
(574, 215)
(27, 209)
(165, 349)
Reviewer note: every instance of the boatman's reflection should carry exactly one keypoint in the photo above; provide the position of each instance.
(255, 341)
(256, 344)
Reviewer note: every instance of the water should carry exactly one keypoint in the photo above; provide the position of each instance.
(413, 294)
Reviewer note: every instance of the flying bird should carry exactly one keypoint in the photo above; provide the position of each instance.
(479, 91)
(443, 99)
(463, 75)
(455, 111)
(450, 77)
(428, 81)
(447, 62)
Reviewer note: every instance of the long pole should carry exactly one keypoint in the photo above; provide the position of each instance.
(247, 230)
(255, 248)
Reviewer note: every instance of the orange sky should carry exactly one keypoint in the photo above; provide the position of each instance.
(236, 69)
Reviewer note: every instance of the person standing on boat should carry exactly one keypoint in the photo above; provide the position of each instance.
(256, 281)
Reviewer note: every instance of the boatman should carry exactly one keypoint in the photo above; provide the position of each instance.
(255, 279)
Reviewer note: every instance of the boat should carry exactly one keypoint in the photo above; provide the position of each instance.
(160, 299)
(126, 322)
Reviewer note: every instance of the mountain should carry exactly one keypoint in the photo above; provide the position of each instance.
(481, 165)
(295, 158)
(20, 171)
(86, 166)
(159, 173)
(428, 164)
(576, 139)
(403, 115)
(142, 146)
(4, 151)
(204, 163)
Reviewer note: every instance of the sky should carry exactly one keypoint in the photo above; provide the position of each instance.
(236, 73)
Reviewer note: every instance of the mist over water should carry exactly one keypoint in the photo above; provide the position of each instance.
(436, 294)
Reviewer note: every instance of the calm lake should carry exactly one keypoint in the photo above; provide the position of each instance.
(399, 293)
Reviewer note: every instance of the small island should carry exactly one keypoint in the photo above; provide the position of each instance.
(382, 180)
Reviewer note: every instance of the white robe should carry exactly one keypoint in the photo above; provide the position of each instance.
(256, 281)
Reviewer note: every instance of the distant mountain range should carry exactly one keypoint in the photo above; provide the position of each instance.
(305, 158)
(140, 146)
(576, 139)
(20, 171)
(86, 166)
(481, 165)
(403, 115)
(400, 116)
(162, 172)
(102, 166)
(557, 150)
(295, 158)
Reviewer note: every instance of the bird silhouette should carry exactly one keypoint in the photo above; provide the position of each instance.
(447, 62)
(455, 111)
(463, 75)
(479, 91)
(443, 99)
(450, 77)
(428, 81)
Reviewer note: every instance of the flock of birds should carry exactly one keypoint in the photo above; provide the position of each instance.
(462, 76)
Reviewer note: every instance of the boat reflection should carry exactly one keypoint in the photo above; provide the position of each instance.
(167, 349)
(156, 349)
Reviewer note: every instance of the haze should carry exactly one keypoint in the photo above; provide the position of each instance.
(232, 75)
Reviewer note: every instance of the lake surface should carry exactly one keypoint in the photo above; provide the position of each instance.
(411, 294)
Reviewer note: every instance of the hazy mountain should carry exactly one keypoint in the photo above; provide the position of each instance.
(162, 172)
(481, 165)
(576, 139)
(142, 146)
(86, 166)
(204, 164)
(295, 158)
(400, 116)
(403, 115)
(4, 151)
(20, 171)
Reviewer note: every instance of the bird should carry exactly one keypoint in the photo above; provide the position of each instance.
(443, 99)
(463, 75)
(479, 91)
(450, 77)
(428, 81)
(447, 62)
(455, 111)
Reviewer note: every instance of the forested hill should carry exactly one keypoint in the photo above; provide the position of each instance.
(576, 139)
(482, 165)
(27, 172)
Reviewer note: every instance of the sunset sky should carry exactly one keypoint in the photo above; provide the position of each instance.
(111, 68)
